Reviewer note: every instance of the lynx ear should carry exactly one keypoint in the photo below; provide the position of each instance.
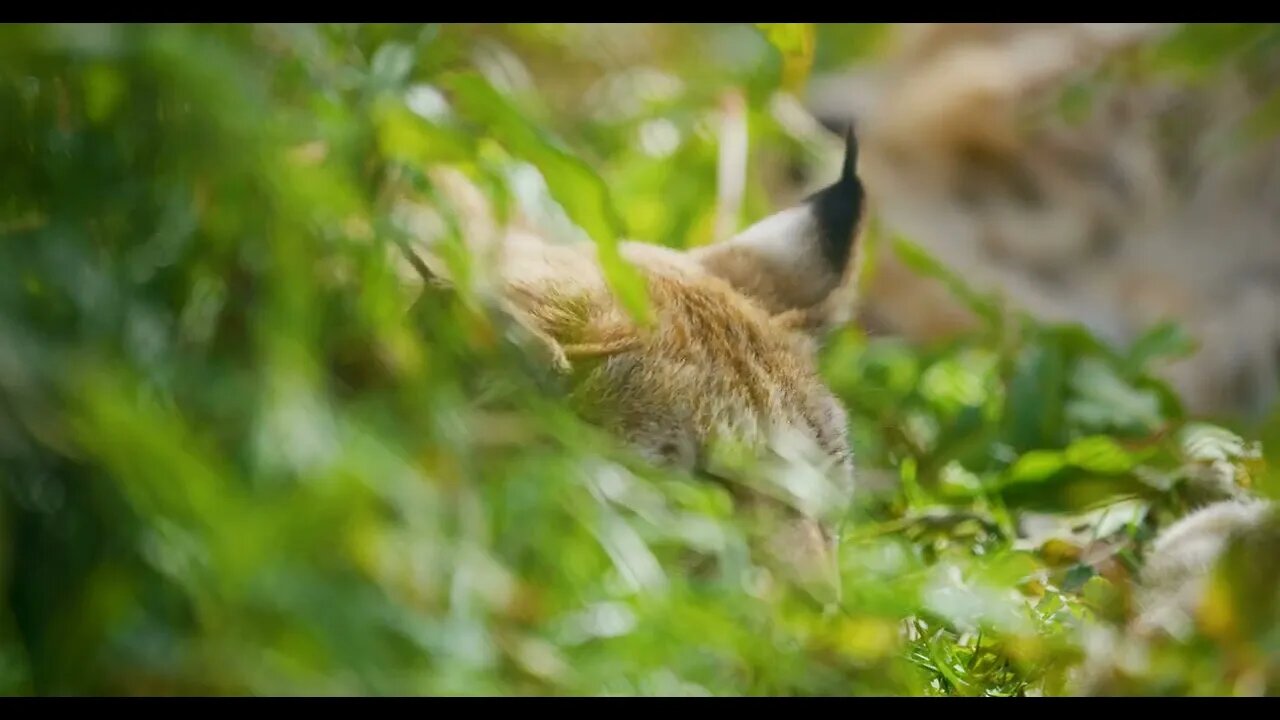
(793, 261)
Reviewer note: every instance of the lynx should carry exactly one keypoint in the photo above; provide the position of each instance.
(728, 363)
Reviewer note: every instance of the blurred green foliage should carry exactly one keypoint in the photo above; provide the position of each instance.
(232, 463)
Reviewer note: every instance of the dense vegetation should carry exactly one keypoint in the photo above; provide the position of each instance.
(241, 454)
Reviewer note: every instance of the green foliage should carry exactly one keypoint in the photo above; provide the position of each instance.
(794, 41)
(238, 455)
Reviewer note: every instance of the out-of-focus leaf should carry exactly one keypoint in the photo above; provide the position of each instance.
(1099, 454)
(104, 88)
(1037, 466)
(579, 190)
(1264, 122)
(1166, 340)
(391, 65)
(1076, 101)
(839, 44)
(1033, 411)
(1075, 491)
(795, 42)
(1104, 598)
(915, 257)
(1078, 577)
(1104, 402)
(1196, 50)
(405, 136)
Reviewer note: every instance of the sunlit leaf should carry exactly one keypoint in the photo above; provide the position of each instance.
(1037, 465)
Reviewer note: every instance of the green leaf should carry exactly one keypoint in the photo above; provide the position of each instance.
(795, 42)
(916, 258)
(1073, 490)
(1264, 122)
(1099, 454)
(1105, 402)
(405, 136)
(1197, 50)
(1033, 411)
(104, 89)
(1077, 102)
(1165, 340)
(391, 65)
(840, 44)
(572, 183)
(1037, 466)
(1079, 577)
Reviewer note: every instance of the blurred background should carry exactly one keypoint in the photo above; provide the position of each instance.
(244, 451)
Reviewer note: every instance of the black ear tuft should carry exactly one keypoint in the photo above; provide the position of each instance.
(849, 171)
(838, 208)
